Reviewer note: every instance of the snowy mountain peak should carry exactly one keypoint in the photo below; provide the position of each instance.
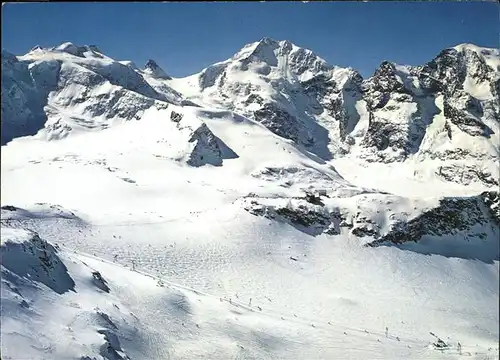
(263, 43)
(260, 51)
(490, 56)
(36, 48)
(478, 49)
(153, 69)
(269, 41)
(284, 46)
(85, 51)
(283, 87)
(384, 66)
(70, 88)
(67, 47)
(282, 54)
(129, 64)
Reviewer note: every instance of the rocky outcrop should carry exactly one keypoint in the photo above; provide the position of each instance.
(80, 51)
(388, 96)
(469, 218)
(25, 254)
(491, 200)
(466, 174)
(99, 281)
(448, 93)
(111, 349)
(206, 149)
(278, 121)
(447, 72)
(312, 220)
(176, 117)
(25, 90)
(465, 112)
(453, 215)
(153, 69)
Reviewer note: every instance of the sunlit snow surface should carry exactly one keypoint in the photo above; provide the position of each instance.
(233, 285)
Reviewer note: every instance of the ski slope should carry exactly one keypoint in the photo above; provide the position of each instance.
(193, 275)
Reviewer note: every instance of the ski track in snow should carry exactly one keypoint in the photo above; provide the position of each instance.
(152, 256)
(332, 334)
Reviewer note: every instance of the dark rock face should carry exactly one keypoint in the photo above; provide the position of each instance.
(364, 227)
(306, 60)
(466, 174)
(379, 87)
(37, 260)
(154, 69)
(393, 91)
(99, 281)
(319, 85)
(303, 216)
(447, 72)
(475, 217)
(314, 199)
(151, 64)
(311, 216)
(446, 75)
(278, 121)
(451, 216)
(444, 70)
(495, 88)
(382, 135)
(464, 227)
(492, 201)
(311, 220)
(111, 349)
(206, 150)
(465, 117)
(254, 99)
(175, 117)
(9, 208)
(326, 96)
(386, 91)
(24, 96)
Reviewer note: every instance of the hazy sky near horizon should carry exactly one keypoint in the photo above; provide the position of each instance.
(185, 37)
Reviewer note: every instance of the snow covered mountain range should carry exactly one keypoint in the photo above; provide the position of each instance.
(270, 206)
(447, 109)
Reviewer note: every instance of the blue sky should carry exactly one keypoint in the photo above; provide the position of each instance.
(186, 37)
